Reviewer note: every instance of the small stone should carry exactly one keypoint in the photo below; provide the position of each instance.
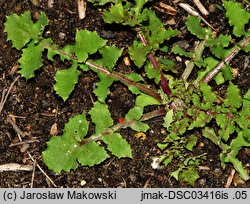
(62, 35)
(217, 172)
(202, 182)
(53, 129)
(212, 8)
(83, 183)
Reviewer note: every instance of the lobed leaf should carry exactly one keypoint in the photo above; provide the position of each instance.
(238, 16)
(66, 80)
(21, 29)
(116, 14)
(110, 55)
(91, 154)
(193, 25)
(118, 145)
(61, 154)
(87, 42)
(168, 119)
(208, 96)
(144, 100)
(77, 127)
(190, 175)
(100, 115)
(103, 85)
(233, 97)
(31, 60)
(138, 53)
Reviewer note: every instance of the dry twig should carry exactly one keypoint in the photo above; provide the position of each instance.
(230, 178)
(200, 6)
(193, 12)
(15, 167)
(6, 95)
(82, 6)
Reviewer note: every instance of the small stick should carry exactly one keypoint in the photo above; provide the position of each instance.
(193, 12)
(82, 5)
(33, 174)
(15, 167)
(200, 6)
(17, 129)
(23, 142)
(227, 60)
(230, 178)
(5, 96)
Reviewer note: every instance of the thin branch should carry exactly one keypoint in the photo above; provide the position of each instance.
(200, 6)
(152, 59)
(115, 128)
(125, 80)
(197, 54)
(6, 95)
(193, 12)
(225, 61)
(15, 167)
(116, 75)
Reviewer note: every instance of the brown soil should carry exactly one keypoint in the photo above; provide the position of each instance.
(34, 104)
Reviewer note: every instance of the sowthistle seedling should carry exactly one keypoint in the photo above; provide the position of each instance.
(186, 106)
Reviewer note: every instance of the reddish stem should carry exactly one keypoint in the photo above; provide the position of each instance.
(165, 86)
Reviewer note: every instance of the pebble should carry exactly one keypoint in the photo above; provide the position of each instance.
(62, 35)
(217, 172)
(202, 182)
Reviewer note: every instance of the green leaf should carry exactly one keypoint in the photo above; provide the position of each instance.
(91, 154)
(77, 127)
(167, 159)
(115, 15)
(237, 143)
(178, 50)
(138, 53)
(66, 80)
(100, 115)
(191, 142)
(238, 166)
(190, 175)
(193, 25)
(153, 73)
(139, 5)
(135, 77)
(103, 85)
(61, 154)
(31, 60)
(87, 42)
(21, 29)
(144, 100)
(233, 97)
(176, 173)
(238, 16)
(110, 55)
(208, 96)
(200, 121)
(118, 145)
(168, 119)
(140, 126)
(134, 113)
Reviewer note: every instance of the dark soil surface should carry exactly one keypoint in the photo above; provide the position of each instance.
(36, 107)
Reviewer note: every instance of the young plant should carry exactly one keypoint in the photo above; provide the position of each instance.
(187, 110)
